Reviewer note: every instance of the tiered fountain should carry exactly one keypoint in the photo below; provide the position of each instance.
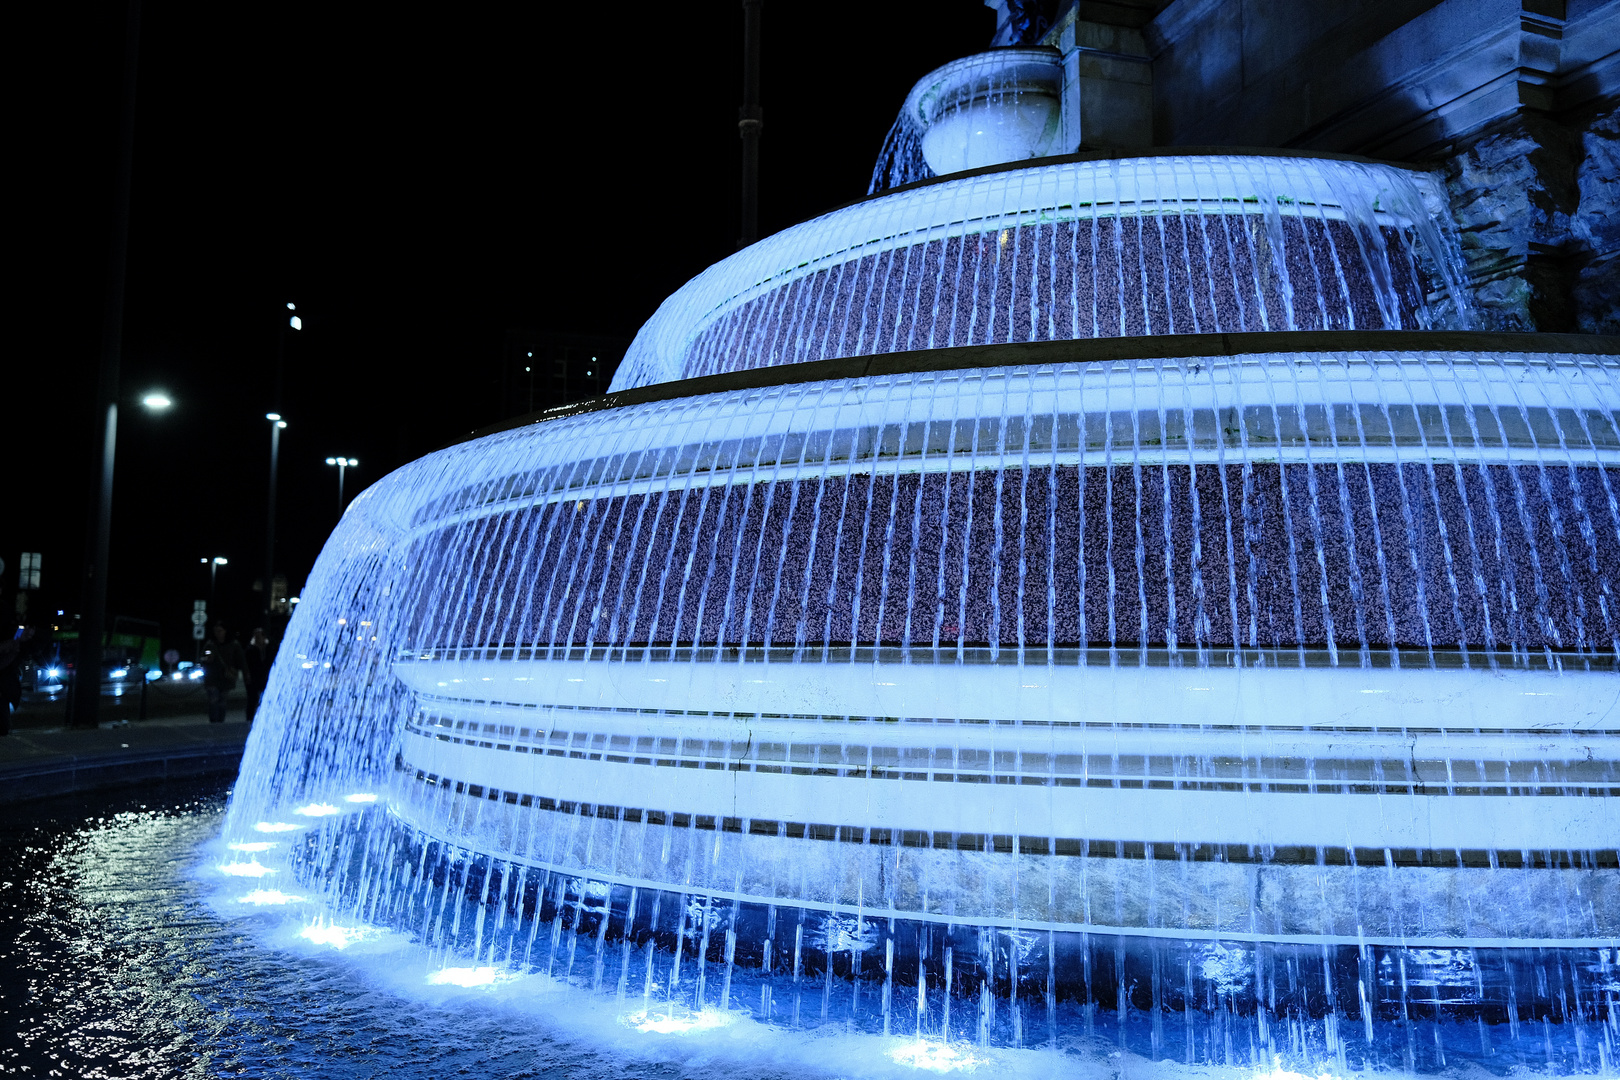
(1085, 596)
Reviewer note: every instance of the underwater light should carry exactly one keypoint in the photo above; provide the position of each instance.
(247, 869)
(339, 937)
(317, 810)
(466, 976)
(276, 826)
(934, 1056)
(1280, 1073)
(257, 845)
(679, 1021)
(264, 897)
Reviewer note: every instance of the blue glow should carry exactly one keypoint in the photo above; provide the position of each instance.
(1238, 710)
(248, 869)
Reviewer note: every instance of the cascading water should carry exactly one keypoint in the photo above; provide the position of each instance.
(1072, 250)
(1239, 705)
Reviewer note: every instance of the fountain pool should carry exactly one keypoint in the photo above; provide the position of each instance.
(1091, 601)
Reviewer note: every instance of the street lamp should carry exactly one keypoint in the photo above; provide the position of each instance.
(86, 706)
(342, 464)
(293, 322)
(276, 424)
(213, 569)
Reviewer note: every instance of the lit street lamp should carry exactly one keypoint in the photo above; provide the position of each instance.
(92, 626)
(86, 707)
(342, 464)
(276, 424)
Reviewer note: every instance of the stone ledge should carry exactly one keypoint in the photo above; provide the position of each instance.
(42, 779)
(37, 763)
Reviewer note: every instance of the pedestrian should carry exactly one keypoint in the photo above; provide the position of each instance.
(221, 661)
(11, 663)
(260, 654)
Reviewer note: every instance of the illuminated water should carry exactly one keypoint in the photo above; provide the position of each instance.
(124, 953)
(1242, 711)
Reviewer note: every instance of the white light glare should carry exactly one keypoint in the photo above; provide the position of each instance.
(934, 1056)
(296, 322)
(276, 826)
(118, 673)
(220, 560)
(360, 797)
(263, 897)
(466, 976)
(1280, 1073)
(339, 937)
(247, 869)
(157, 401)
(255, 846)
(317, 809)
(272, 416)
(679, 1021)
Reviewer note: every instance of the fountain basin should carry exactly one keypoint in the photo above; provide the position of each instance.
(902, 694)
(1072, 249)
(988, 109)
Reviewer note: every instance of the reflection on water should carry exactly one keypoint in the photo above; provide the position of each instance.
(114, 963)
(125, 953)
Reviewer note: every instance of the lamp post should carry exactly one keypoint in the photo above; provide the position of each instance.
(85, 707)
(294, 322)
(276, 424)
(342, 464)
(213, 570)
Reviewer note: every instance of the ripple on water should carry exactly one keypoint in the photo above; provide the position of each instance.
(114, 964)
(119, 958)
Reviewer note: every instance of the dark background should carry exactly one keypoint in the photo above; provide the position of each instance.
(421, 182)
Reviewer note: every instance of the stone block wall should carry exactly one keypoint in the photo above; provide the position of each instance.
(1536, 199)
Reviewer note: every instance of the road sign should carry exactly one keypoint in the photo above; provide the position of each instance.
(199, 605)
(171, 656)
(199, 618)
(196, 633)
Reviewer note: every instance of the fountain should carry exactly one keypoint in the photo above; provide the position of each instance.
(1089, 598)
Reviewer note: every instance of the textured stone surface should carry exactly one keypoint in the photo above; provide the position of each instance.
(1534, 199)
(1596, 225)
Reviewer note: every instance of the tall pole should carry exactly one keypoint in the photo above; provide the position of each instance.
(751, 120)
(87, 673)
(342, 464)
(276, 424)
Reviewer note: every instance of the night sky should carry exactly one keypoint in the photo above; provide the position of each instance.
(419, 181)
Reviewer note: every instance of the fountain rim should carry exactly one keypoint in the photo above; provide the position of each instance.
(1128, 154)
(1071, 351)
(922, 103)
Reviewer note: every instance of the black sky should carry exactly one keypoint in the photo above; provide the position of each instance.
(418, 180)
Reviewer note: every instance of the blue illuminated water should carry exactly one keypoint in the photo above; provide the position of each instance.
(123, 954)
(1247, 712)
